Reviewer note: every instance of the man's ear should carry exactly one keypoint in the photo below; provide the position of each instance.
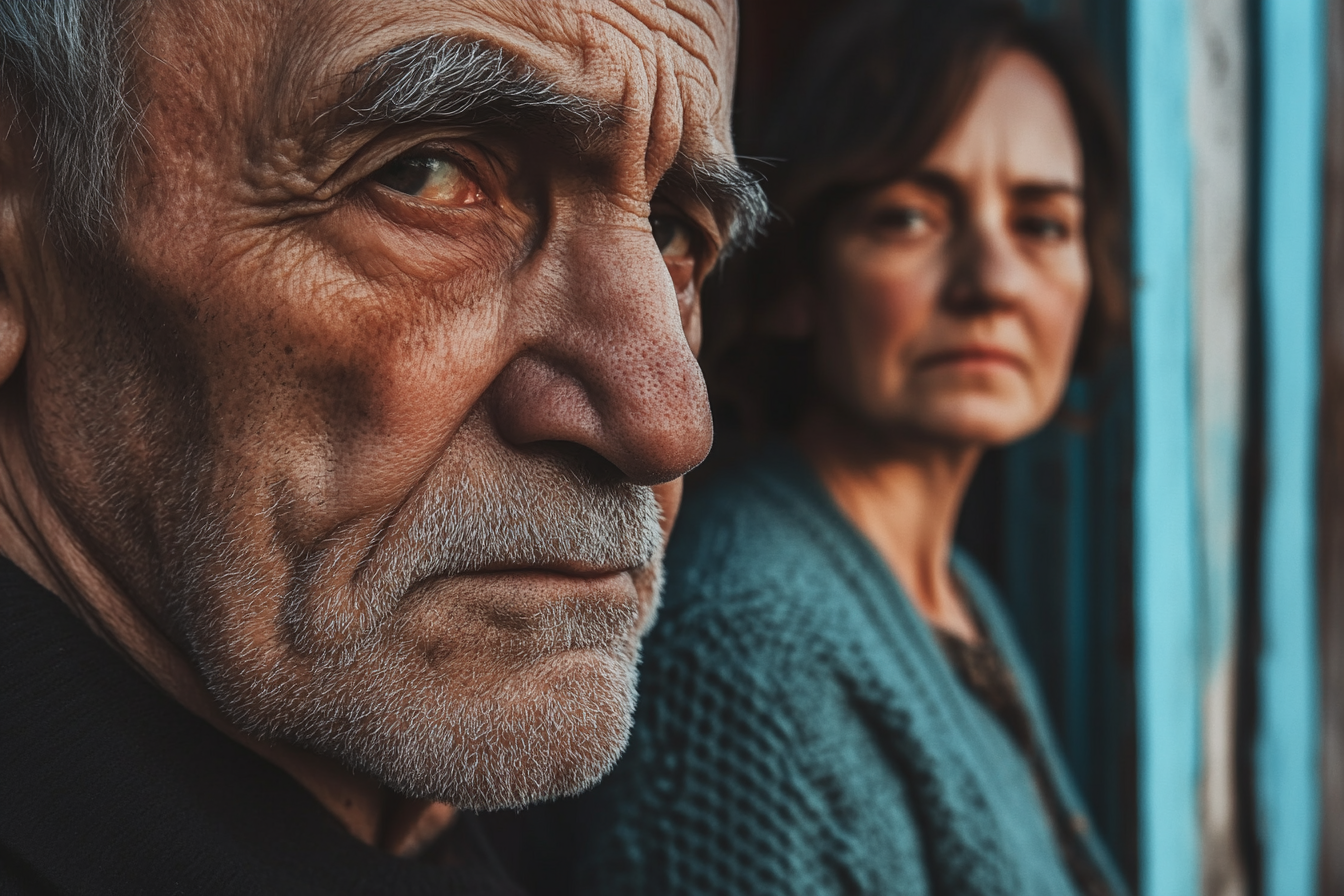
(13, 328)
(18, 203)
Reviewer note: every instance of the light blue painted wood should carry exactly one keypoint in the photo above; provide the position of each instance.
(1219, 70)
(1165, 545)
(1287, 752)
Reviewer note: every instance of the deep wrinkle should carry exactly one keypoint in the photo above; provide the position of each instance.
(476, 87)
(345, 364)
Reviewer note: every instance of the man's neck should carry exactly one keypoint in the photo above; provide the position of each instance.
(36, 537)
(904, 495)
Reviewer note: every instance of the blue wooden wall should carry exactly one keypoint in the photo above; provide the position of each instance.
(1287, 762)
(1170, 615)
(1165, 549)
(1114, 486)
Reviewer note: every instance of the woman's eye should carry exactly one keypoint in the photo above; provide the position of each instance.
(1043, 227)
(435, 179)
(902, 220)
(672, 235)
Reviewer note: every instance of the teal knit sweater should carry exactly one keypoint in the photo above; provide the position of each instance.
(799, 730)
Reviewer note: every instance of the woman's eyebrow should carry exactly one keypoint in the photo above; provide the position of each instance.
(1027, 191)
(1038, 190)
(938, 182)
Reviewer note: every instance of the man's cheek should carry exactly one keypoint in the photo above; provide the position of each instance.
(484, 244)
(362, 411)
(668, 495)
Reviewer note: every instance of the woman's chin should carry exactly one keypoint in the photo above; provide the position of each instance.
(985, 427)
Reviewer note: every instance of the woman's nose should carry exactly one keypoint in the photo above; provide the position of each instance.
(988, 269)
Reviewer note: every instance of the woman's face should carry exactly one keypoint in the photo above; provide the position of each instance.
(950, 302)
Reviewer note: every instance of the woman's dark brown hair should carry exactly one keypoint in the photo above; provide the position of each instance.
(869, 101)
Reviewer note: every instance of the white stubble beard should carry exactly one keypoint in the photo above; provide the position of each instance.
(510, 730)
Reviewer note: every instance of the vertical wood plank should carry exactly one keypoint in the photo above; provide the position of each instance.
(1219, 107)
(1287, 748)
(1166, 543)
(1330, 473)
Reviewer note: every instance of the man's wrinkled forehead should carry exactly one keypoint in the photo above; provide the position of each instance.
(665, 64)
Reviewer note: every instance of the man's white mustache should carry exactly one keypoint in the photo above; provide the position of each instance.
(534, 513)
(560, 520)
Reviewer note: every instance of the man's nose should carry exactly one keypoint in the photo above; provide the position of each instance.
(611, 370)
(988, 270)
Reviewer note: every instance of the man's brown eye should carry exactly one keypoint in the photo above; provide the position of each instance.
(672, 235)
(429, 178)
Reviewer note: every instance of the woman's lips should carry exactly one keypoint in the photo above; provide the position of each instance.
(971, 355)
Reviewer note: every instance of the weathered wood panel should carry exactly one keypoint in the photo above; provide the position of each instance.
(1330, 474)
(1220, 189)
(1287, 766)
(1167, 543)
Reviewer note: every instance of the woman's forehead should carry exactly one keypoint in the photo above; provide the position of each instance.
(1017, 126)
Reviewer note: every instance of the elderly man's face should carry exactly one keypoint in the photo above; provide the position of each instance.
(368, 407)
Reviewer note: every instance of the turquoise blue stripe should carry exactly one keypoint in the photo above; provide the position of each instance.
(1287, 763)
(1166, 547)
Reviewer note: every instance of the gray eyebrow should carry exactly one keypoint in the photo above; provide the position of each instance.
(734, 195)
(445, 78)
(467, 81)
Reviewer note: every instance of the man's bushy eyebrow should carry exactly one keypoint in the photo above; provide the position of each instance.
(732, 193)
(444, 78)
(467, 81)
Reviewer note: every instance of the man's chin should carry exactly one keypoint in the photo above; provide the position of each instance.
(485, 691)
(493, 739)
(552, 732)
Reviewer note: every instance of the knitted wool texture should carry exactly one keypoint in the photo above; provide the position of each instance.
(800, 732)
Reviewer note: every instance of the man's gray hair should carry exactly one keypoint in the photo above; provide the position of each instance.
(65, 67)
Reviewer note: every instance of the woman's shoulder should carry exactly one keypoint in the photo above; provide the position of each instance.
(758, 525)
(748, 584)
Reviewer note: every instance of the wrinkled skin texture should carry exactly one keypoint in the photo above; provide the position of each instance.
(240, 415)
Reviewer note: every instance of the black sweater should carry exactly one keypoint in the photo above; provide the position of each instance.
(107, 786)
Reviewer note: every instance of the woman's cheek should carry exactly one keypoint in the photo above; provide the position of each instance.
(899, 295)
(1060, 324)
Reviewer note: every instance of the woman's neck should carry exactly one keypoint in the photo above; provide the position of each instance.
(904, 494)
